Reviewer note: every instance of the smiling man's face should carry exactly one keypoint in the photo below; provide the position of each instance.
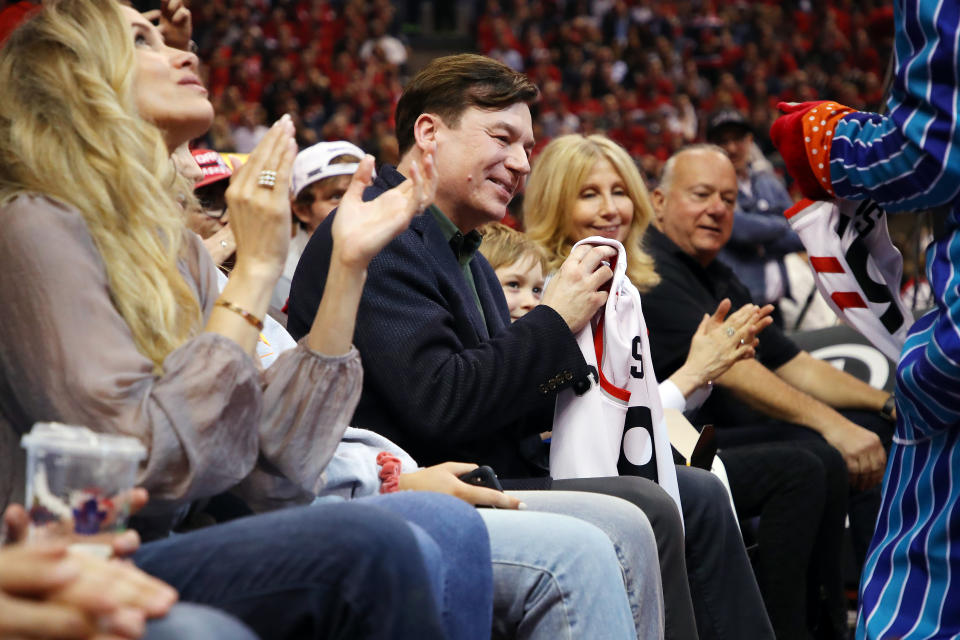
(482, 162)
(695, 210)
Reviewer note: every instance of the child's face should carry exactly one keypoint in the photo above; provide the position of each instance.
(326, 198)
(522, 283)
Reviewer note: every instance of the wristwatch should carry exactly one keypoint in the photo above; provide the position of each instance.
(887, 409)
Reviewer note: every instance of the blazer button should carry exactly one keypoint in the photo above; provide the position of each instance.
(568, 376)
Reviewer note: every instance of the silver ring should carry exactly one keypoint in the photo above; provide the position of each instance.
(742, 342)
(223, 243)
(267, 179)
(730, 332)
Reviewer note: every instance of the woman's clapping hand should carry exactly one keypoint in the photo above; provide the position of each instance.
(361, 229)
(720, 342)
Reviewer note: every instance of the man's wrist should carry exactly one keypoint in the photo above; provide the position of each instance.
(888, 408)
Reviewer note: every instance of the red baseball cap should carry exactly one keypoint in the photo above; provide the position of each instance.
(213, 166)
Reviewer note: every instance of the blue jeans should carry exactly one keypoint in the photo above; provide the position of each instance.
(725, 599)
(555, 577)
(331, 571)
(629, 530)
(190, 621)
(454, 542)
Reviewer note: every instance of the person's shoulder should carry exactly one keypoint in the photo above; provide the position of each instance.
(37, 216)
(387, 178)
(768, 178)
(655, 242)
(666, 257)
(37, 207)
(409, 247)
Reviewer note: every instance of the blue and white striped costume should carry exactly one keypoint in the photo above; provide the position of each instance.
(906, 161)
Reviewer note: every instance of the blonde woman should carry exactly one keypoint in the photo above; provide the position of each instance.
(582, 186)
(113, 320)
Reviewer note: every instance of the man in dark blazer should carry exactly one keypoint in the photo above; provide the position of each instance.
(447, 376)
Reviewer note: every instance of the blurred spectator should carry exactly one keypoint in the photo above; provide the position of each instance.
(250, 129)
(761, 236)
(392, 49)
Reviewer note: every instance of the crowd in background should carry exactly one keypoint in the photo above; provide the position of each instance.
(336, 68)
(646, 74)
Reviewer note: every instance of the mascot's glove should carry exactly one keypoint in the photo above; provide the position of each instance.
(803, 135)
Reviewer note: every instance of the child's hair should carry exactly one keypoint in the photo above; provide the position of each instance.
(503, 246)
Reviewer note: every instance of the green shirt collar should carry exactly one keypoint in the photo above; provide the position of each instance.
(464, 247)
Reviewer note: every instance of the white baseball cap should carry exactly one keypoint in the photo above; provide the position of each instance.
(313, 163)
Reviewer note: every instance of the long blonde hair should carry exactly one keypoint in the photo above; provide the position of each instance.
(69, 129)
(554, 185)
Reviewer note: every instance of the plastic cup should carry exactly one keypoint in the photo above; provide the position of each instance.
(78, 481)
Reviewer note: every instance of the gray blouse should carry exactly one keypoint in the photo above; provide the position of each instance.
(66, 354)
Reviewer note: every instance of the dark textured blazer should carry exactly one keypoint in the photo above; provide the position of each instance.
(439, 379)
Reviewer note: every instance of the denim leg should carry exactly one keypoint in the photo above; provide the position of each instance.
(327, 571)
(726, 598)
(660, 509)
(187, 621)
(459, 533)
(555, 578)
(433, 557)
(633, 540)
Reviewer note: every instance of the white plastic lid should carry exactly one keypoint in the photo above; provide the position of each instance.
(63, 438)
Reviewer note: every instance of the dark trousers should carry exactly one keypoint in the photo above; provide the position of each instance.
(344, 570)
(799, 493)
(863, 506)
(702, 560)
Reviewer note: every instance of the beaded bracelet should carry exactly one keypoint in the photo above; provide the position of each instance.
(246, 315)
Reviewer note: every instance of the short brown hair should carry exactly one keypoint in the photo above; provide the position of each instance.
(451, 84)
(502, 246)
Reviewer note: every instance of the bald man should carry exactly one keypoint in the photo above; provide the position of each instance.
(783, 394)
